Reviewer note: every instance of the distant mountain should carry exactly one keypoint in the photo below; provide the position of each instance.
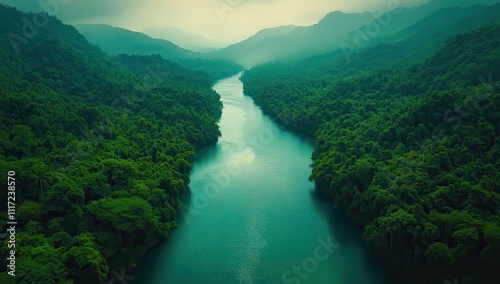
(458, 3)
(425, 35)
(301, 42)
(333, 30)
(241, 52)
(265, 33)
(114, 40)
(431, 32)
(187, 40)
(395, 23)
(421, 28)
(406, 45)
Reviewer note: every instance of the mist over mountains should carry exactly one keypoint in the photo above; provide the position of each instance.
(421, 28)
(187, 40)
(101, 126)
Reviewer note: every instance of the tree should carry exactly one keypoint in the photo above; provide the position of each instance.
(41, 262)
(439, 255)
(62, 195)
(41, 173)
(86, 262)
(363, 174)
(23, 140)
(126, 214)
(398, 221)
(30, 211)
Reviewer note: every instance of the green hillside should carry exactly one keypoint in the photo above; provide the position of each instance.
(101, 148)
(410, 153)
(115, 41)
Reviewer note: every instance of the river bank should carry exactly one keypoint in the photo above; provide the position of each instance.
(251, 214)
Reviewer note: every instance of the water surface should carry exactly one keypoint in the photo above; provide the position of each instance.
(252, 215)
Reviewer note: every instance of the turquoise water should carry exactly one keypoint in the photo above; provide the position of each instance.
(252, 215)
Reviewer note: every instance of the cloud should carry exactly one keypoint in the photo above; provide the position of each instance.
(223, 20)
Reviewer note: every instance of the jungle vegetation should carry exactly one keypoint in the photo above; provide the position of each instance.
(409, 151)
(101, 147)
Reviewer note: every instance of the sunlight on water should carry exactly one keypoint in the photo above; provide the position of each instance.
(252, 215)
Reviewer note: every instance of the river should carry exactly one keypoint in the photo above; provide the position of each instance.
(252, 215)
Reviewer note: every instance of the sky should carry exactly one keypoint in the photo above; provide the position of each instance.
(225, 21)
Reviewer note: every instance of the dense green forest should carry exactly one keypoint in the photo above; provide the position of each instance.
(101, 148)
(409, 151)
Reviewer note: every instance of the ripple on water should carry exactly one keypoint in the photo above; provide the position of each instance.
(263, 220)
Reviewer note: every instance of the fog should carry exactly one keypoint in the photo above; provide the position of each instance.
(226, 21)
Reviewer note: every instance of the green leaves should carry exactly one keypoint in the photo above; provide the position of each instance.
(62, 195)
(363, 173)
(491, 233)
(125, 214)
(30, 210)
(101, 146)
(439, 255)
(39, 261)
(120, 174)
(22, 140)
(412, 152)
(86, 260)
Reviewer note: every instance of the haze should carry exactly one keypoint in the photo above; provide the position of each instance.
(225, 21)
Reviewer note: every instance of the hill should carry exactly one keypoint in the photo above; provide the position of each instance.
(114, 41)
(187, 40)
(408, 152)
(242, 52)
(338, 29)
(404, 47)
(97, 148)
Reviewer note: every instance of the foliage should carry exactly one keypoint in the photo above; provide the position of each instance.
(101, 147)
(409, 152)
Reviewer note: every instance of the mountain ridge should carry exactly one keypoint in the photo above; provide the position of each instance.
(183, 39)
(116, 40)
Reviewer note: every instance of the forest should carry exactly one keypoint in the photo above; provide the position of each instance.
(101, 148)
(98, 147)
(408, 149)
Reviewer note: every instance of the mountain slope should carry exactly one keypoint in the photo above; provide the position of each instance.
(334, 30)
(300, 40)
(99, 149)
(414, 41)
(190, 41)
(246, 47)
(115, 41)
(408, 152)
(403, 47)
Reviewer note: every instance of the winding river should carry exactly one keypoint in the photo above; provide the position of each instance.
(252, 215)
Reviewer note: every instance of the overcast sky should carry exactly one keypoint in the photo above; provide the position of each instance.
(226, 21)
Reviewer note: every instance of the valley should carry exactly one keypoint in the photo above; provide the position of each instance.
(363, 148)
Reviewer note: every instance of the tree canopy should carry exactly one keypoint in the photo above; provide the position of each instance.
(409, 152)
(101, 148)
